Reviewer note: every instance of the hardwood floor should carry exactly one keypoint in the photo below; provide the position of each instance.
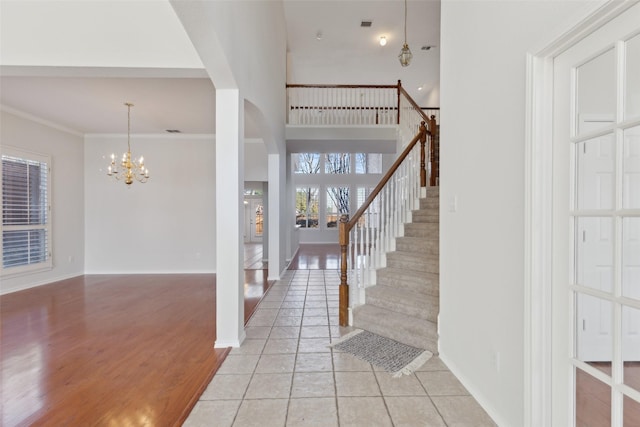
(593, 398)
(253, 257)
(111, 350)
(316, 257)
(138, 350)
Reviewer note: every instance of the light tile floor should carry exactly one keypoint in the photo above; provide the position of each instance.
(284, 374)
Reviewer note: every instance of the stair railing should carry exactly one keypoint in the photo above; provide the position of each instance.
(370, 233)
(410, 116)
(342, 104)
(349, 105)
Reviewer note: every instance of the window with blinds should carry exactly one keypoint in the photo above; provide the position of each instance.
(26, 236)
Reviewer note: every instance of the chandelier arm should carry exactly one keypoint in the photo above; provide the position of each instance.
(128, 169)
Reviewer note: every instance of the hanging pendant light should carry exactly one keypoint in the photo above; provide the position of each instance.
(128, 169)
(405, 53)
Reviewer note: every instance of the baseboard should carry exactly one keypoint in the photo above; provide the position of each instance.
(39, 283)
(474, 391)
(284, 270)
(137, 272)
(232, 343)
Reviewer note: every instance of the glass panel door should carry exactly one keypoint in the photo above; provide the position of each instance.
(597, 221)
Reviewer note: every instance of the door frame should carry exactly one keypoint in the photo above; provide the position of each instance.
(253, 237)
(543, 349)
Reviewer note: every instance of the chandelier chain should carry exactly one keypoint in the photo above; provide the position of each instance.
(405, 21)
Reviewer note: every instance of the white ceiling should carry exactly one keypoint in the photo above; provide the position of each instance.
(91, 101)
(96, 105)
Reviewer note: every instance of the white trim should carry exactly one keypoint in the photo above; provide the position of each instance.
(101, 72)
(477, 393)
(140, 272)
(538, 222)
(282, 273)
(593, 20)
(40, 283)
(538, 393)
(39, 120)
(163, 135)
(47, 264)
(236, 344)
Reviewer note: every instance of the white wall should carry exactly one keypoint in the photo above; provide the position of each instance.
(255, 161)
(242, 44)
(484, 44)
(67, 195)
(94, 34)
(164, 226)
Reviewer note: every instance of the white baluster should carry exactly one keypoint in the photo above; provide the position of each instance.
(367, 247)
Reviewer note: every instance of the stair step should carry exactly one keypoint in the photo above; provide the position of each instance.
(429, 202)
(433, 192)
(418, 245)
(404, 301)
(419, 282)
(400, 327)
(425, 215)
(413, 262)
(428, 230)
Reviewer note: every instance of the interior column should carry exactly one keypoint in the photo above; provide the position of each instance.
(229, 218)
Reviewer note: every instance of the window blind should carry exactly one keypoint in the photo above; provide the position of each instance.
(25, 212)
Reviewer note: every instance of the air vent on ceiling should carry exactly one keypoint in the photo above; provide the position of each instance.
(366, 23)
(173, 130)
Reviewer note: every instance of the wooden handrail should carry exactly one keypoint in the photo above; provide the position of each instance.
(325, 86)
(420, 136)
(346, 224)
(413, 104)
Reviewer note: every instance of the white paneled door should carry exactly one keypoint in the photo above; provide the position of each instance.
(596, 151)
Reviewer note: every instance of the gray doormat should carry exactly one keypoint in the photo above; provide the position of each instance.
(392, 356)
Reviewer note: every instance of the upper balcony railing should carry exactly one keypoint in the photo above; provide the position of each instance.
(370, 232)
(315, 105)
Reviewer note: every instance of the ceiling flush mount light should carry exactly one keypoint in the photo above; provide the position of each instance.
(405, 54)
(127, 169)
(319, 35)
(383, 41)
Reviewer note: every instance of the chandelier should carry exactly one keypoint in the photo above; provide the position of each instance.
(128, 169)
(405, 54)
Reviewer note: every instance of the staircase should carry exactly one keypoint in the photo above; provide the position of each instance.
(404, 303)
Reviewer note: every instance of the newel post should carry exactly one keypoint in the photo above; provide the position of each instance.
(423, 141)
(343, 240)
(433, 146)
